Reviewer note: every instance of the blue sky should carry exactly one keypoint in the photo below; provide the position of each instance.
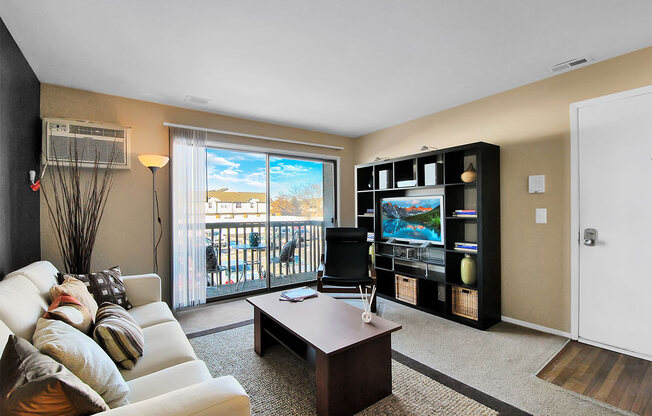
(245, 172)
(424, 202)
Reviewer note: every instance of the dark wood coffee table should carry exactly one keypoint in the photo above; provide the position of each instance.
(353, 360)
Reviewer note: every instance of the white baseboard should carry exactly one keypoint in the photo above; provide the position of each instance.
(535, 326)
(616, 349)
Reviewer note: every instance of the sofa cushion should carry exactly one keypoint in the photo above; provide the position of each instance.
(169, 379)
(35, 384)
(20, 305)
(152, 314)
(77, 289)
(4, 335)
(165, 345)
(68, 309)
(43, 274)
(83, 357)
(119, 335)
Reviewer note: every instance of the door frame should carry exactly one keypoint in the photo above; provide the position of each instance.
(272, 152)
(575, 209)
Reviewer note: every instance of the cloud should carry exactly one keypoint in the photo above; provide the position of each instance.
(213, 159)
(230, 172)
(284, 169)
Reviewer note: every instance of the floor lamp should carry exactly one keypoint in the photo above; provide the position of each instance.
(154, 163)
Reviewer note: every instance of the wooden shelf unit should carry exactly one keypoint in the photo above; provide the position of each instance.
(437, 277)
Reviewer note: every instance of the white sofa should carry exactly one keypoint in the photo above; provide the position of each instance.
(167, 380)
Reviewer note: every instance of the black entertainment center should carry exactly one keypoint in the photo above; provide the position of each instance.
(419, 243)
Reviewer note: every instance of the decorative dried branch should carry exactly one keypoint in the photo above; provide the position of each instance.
(75, 208)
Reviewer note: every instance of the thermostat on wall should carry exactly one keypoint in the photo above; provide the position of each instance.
(537, 184)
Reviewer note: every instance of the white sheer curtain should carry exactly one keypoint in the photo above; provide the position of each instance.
(188, 217)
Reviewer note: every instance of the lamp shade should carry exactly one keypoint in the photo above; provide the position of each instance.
(153, 161)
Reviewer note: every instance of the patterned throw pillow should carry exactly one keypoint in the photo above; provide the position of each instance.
(68, 309)
(76, 289)
(105, 286)
(35, 384)
(119, 335)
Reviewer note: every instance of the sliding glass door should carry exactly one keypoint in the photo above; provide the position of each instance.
(265, 219)
(299, 211)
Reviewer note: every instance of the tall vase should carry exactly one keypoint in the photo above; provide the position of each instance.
(468, 270)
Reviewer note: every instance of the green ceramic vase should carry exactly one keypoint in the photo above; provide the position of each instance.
(468, 269)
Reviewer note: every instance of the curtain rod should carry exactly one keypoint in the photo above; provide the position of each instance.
(253, 136)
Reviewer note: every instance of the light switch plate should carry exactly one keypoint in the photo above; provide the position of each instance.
(541, 216)
(536, 184)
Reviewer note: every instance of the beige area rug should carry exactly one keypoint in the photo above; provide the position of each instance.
(281, 384)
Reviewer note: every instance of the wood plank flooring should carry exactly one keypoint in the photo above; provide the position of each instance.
(617, 379)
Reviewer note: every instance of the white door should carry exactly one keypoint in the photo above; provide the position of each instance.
(615, 199)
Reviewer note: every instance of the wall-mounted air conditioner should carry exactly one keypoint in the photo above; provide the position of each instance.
(60, 136)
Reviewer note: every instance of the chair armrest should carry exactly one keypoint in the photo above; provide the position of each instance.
(320, 269)
(143, 288)
(219, 396)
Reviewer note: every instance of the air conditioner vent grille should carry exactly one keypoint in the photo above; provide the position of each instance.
(562, 66)
(197, 100)
(61, 136)
(578, 62)
(97, 131)
(60, 148)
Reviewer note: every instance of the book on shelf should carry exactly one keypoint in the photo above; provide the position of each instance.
(298, 295)
(465, 213)
(467, 250)
(466, 244)
(466, 247)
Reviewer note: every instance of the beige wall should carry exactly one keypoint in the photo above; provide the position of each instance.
(532, 126)
(124, 237)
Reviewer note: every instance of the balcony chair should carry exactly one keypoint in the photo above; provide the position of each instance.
(345, 265)
(286, 256)
(212, 265)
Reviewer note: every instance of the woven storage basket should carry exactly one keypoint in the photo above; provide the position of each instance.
(465, 302)
(406, 289)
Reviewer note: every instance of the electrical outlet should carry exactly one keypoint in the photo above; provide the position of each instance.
(541, 216)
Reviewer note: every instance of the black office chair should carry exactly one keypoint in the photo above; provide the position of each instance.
(345, 263)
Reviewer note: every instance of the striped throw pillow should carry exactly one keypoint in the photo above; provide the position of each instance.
(119, 335)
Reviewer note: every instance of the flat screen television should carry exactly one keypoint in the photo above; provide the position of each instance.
(413, 219)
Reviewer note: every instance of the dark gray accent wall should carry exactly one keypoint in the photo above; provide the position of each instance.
(20, 147)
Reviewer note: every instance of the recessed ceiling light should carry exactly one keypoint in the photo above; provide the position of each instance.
(196, 100)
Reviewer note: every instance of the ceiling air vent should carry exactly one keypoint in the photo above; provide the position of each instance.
(196, 100)
(570, 64)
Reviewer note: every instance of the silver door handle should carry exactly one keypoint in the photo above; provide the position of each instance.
(590, 236)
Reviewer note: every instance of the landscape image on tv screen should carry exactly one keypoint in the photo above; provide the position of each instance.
(416, 218)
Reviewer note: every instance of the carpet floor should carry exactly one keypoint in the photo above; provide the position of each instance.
(281, 384)
(501, 362)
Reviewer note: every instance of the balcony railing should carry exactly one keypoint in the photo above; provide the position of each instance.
(242, 267)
